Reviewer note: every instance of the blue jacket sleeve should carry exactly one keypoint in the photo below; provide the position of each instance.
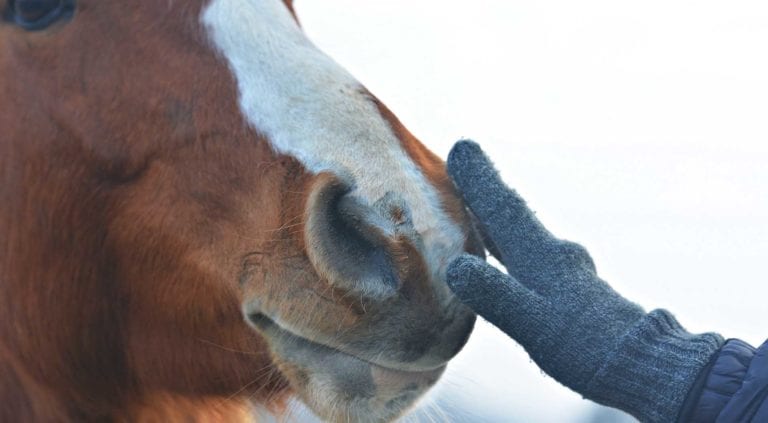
(732, 388)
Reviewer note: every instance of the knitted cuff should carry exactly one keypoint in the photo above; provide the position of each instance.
(652, 368)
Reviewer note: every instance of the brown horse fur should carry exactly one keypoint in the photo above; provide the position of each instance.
(133, 199)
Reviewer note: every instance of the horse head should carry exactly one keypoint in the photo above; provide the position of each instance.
(200, 210)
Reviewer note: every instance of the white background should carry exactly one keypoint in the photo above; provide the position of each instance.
(638, 129)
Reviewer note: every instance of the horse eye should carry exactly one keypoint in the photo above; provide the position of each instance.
(39, 14)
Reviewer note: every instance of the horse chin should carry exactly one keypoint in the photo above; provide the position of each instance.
(340, 387)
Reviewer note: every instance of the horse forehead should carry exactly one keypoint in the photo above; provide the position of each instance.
(310, 108)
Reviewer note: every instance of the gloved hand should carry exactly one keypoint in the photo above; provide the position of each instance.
(574, 326)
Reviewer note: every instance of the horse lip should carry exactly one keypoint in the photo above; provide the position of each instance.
(268, 328)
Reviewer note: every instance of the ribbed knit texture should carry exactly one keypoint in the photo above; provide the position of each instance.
(649, 373)
(572, 323)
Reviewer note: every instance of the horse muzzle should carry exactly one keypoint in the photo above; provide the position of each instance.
(376, 325)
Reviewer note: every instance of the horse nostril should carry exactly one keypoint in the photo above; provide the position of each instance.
(352, 243)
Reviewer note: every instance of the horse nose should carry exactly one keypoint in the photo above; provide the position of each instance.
(355, 245)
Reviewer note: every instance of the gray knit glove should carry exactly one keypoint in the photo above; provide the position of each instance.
(574, 326)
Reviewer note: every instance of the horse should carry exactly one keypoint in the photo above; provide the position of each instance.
(201, 213)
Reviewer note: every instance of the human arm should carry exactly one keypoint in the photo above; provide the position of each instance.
(572, 323)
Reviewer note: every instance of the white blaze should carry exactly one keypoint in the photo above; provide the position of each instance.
(311, 108)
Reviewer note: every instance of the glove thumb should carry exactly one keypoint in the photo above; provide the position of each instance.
(496, 296)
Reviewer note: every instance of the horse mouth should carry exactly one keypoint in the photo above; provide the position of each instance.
(338, 385)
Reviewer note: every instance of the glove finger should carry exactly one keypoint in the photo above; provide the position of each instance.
(524, 243)
(498, 298)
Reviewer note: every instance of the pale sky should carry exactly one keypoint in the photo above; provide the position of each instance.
(639, 129)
